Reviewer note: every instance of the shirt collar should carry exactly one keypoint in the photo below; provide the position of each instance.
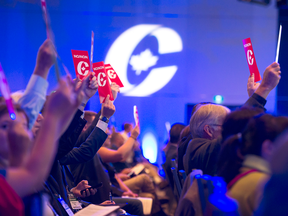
(256, 162)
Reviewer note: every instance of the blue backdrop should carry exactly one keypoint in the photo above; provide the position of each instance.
(168, 53)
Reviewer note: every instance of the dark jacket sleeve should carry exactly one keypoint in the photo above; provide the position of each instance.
(255, 101)
(86, 133)
(68, 140)
(87, 150)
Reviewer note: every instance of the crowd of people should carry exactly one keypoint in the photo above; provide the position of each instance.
(56, 158)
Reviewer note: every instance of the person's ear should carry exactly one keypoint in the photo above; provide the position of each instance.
(267, 149)
(208, 132)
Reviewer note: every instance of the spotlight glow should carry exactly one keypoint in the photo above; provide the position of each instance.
(149, 146)
(218, 99)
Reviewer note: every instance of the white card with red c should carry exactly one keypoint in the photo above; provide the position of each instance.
(81, 63)
(113, 75)
(136, 116)
(103, 83)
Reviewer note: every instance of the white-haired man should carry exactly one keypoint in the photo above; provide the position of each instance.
(206, 124)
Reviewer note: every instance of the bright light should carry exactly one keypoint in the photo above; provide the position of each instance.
(149, 146)
(218, 99)
(12, 116)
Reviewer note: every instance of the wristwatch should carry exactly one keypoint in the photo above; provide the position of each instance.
(104, 119)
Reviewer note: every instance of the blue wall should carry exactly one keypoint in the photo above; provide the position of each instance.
(211, 61)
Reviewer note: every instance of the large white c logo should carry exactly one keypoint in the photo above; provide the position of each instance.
(121, 50)
(249, 57)
(80, 69)
(100, 79)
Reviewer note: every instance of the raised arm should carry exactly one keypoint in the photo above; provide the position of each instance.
(88, 149)
(60, 110)
(121, 154)
(69, 139)
(34, 96)
(271, 78)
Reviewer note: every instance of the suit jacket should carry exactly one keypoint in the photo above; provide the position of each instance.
(85, 152)
(203, 153)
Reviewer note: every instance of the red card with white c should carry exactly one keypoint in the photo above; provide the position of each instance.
(250, 56)
(112, 75)
(103, 83)
(81, 63)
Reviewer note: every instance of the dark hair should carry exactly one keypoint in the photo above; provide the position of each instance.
(185, 132)
(17, 107)
(236, 121)
(260, 128)
(126, 126)
(175, 132)
(114, 137)
(89, 115)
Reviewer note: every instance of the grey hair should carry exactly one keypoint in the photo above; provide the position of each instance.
(205, 115)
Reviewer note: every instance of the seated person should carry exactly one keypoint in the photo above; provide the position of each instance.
(31, 172)
(255, 147)
(171, 150)
(206, 125)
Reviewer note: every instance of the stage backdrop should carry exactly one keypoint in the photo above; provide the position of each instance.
(167, 53)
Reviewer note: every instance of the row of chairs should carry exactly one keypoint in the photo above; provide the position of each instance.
(175, 179)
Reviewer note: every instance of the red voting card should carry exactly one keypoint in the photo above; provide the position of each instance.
(136, 116)
(81, 63)
(251, 59)
(113, 75)
(103, 83)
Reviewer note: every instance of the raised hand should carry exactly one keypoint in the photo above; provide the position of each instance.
(115, 90)
(135, 132)
(271, 78)
(46, 56)
(108, 108)
(251, 85)
(63, 104)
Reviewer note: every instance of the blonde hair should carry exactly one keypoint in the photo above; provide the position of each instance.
(206, 115)
(17, 95)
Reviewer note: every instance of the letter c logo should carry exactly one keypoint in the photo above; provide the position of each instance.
(81, 69)
(101, 79)
(249, 57)
(111, 74)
